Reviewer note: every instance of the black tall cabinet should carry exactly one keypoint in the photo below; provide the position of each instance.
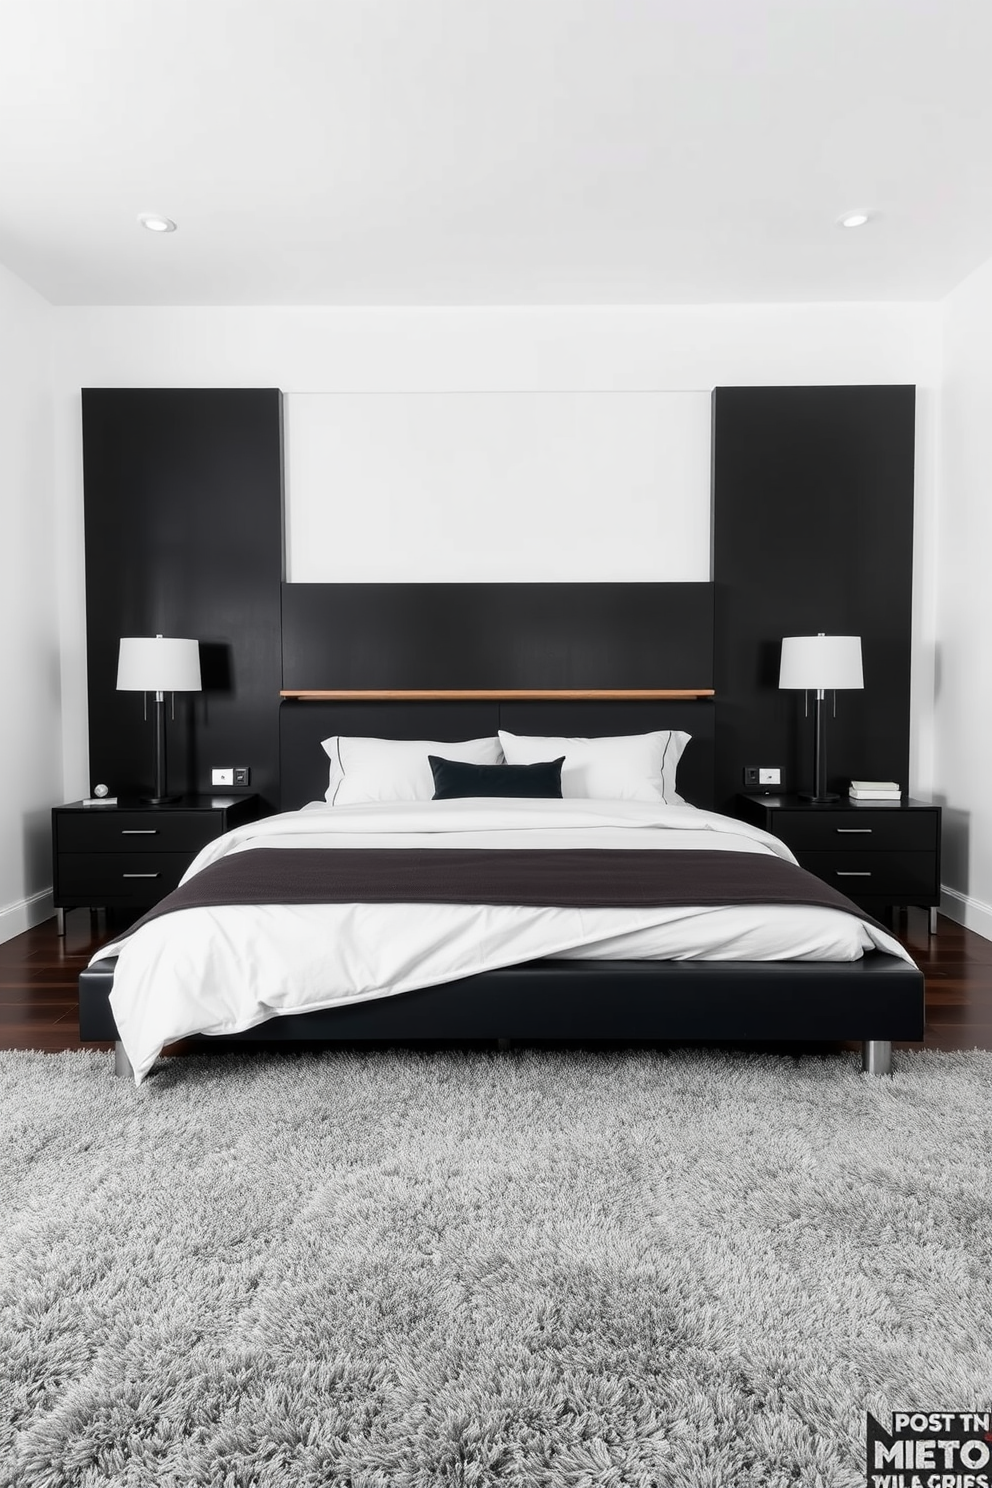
(183, 537)
(812, 531)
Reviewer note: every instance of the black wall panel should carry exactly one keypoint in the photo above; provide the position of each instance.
(497, 635)
(812, 531)
(183, 522)
(813, 513)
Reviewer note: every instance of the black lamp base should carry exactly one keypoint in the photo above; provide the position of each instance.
(162, 796)
(819, 796)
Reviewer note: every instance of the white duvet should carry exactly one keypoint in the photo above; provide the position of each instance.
(225, 969)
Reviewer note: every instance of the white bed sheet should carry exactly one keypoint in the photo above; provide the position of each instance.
(225, 969)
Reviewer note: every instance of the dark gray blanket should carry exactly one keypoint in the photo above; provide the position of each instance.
(589, 878)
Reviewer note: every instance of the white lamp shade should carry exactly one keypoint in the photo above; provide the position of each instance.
(158, 664)
(821, 662)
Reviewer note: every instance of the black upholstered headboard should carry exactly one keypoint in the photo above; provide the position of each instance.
(504, 638)
(303, 765)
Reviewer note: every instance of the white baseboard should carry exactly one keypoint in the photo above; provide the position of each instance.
(973, 914)
(25, 914)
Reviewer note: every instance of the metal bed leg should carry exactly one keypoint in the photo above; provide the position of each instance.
(876, 1056)
(123, 1067)
(503, 1044)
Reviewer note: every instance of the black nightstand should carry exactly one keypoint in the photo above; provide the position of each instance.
(878, 853)
(128, 856)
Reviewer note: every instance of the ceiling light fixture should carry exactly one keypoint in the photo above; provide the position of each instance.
(155, 222)
(854, 219)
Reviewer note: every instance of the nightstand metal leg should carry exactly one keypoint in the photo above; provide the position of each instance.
(60, 922)
(876, 1056)
(933, 920)
(123, 1067)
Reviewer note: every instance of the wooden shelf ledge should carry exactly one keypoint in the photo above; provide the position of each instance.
(497, 694)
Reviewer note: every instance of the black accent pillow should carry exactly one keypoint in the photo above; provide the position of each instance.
(454, 779)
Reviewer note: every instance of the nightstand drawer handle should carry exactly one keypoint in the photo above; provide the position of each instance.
(852, 830)
(139, 831)
(140, 875)
(853, 873)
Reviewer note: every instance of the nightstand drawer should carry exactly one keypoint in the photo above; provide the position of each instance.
(136, 831)
(858, 831)
(900, 875)
(106, 878)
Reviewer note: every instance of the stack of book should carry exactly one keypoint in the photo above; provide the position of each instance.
(874, 790)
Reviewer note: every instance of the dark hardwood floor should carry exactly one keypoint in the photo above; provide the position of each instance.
(38, 972)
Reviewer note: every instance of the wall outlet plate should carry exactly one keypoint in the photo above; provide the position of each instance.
(766, 778)
(242, 775)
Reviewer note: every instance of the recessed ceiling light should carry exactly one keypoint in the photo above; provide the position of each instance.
(854, 219)
(155, 222)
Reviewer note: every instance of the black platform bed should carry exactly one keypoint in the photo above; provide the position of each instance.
(875, 1000)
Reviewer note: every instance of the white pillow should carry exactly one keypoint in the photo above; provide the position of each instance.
(364, 770)
(627, 767)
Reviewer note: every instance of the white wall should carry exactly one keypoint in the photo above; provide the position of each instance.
(963, 715)
(30, 733)
(487, 350)
(572, 487)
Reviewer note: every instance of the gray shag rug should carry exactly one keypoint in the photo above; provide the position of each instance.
(405, 1269)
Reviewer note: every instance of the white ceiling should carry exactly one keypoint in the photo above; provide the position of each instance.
(347, 152)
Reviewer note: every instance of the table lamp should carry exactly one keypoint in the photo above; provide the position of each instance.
(159, 664)
(817, 664)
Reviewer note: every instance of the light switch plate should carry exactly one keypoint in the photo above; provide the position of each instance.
(222, 777)
(770, 776)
